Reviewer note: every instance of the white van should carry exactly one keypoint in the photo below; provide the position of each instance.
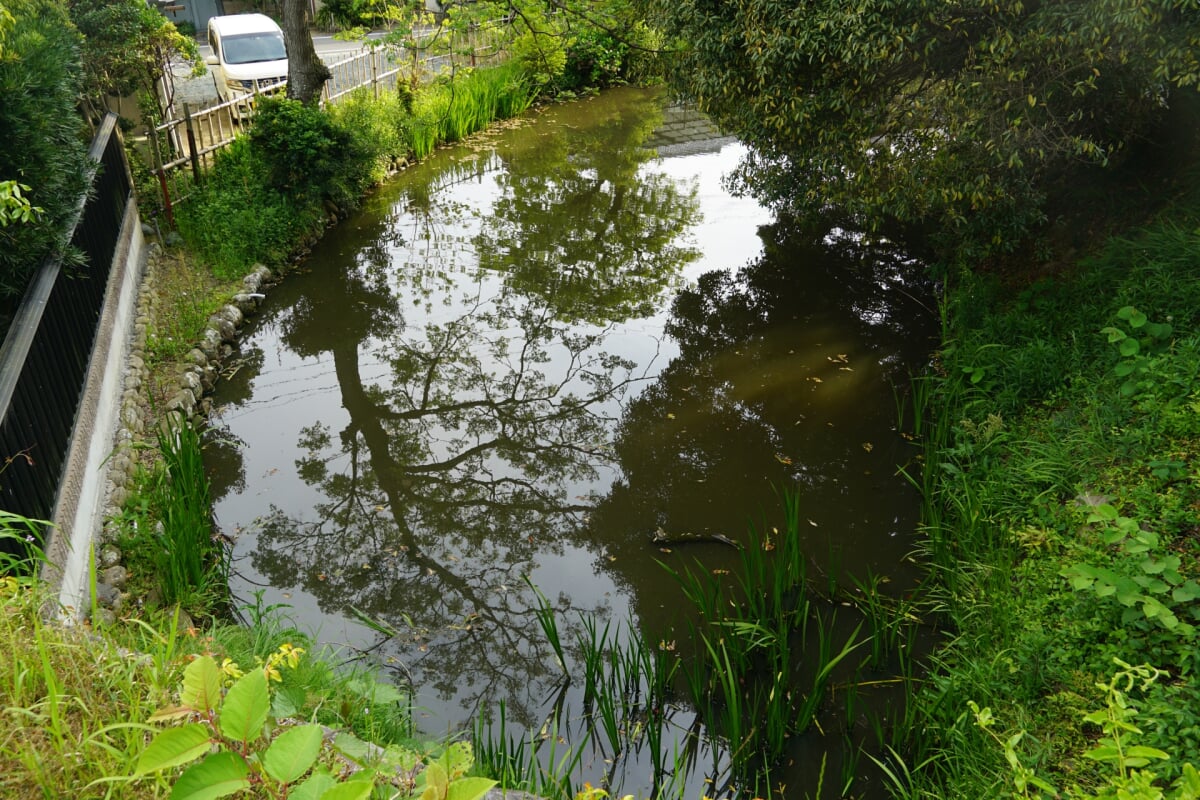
(248, 54)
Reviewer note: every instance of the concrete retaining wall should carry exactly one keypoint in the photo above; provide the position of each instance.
(78, 514)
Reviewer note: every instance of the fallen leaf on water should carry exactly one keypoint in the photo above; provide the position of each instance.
(815, 379)
(612, 558)
(868, 446)
(810, 522)
(670, 416)
(664, 549)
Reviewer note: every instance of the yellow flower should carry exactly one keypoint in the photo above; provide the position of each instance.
(231, 669)
(290, 654)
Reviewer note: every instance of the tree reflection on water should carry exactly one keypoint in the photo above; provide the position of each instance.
(476, 406)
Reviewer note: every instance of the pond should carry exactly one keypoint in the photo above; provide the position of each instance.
(561, 360)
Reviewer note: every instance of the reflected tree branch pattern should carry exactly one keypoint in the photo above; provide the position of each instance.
(435, 496)
(469, 446)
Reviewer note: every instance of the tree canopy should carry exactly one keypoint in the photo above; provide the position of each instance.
(127, 47)
(947, 116)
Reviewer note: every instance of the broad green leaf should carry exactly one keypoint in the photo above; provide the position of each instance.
(351, 790)
(352, 747)
(173, 747)
(293, 753)
(457, 758)
(1103, 513)
(1129, 347)
(397, 757)
(1189, 784)
(1114, 334)
(1142, 751)
(1135, 318)
(436, 782)
(285, 704)
(1158, 330)
(469, 788)
(1112, 536)
(202, 685)
(314, 786)
(246, 706)
(1187, 592)
(1106, 753)
(218, 775)
(376, 692)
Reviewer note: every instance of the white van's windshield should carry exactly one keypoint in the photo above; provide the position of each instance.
(250, 47)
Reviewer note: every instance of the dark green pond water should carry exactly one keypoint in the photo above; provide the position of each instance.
(526, 356)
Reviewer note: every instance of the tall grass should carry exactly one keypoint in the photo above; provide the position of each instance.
(770, 650)
(454, 108)
(532, 763)
(191, 563)
(75, 702)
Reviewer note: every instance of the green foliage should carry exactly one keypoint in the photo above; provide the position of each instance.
(453, 109)
(594, 59)
(540, 48)
(1144, 579)
(167, 526)
(1040, 579)
(350, 14)
(376, 125)
(1128, 780)
(748, 687)
(1138, 348)
(241, 744)
(954, 119)
(44, 145)
(269, 192)
(14, 206)
(308, 155)
(127, 46)
(20, 553)
(237, 219)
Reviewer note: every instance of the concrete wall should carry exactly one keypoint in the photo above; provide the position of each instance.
(78, 514)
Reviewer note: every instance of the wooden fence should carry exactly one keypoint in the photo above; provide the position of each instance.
(185, 146)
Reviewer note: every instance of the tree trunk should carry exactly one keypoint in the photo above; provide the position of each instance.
(306, 73)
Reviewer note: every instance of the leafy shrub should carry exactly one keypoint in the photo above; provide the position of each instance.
(542, 57)
(309, 155)
(241, 744)
(43, 135)
(376, 125)
(594, 59)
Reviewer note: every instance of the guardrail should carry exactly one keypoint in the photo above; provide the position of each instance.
(183, 148)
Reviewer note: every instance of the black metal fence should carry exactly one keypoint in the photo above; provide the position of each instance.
(44, 358)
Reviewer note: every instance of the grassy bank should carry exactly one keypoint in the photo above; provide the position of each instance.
(82, 705)
(1063, 527)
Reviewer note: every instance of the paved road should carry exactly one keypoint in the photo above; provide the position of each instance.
(202, 92)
